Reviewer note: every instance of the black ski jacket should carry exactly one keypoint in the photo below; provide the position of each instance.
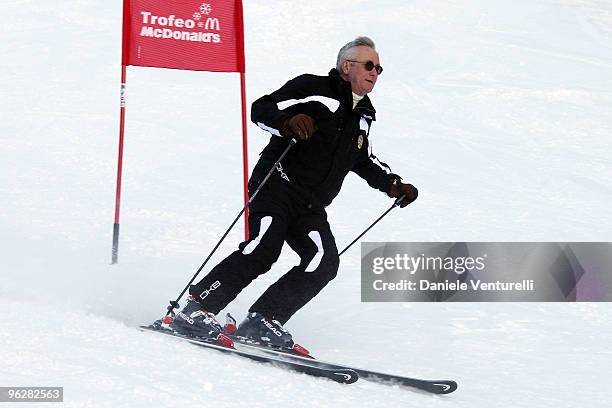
(319, 165)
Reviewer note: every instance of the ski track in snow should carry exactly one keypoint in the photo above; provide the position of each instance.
(498, 111)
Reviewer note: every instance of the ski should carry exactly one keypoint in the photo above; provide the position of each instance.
(337, 374)
(432, 386)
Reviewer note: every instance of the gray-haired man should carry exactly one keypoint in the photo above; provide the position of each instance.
(331, 116)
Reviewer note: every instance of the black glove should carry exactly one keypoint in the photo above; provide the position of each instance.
(398, 189)
(301, 126)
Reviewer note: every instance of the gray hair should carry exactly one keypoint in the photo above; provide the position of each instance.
(346, 53)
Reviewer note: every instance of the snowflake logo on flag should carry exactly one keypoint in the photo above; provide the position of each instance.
(206, 8)
(197, 16)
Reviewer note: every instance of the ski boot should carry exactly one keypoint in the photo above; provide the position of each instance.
(258, 330)
(194, 321)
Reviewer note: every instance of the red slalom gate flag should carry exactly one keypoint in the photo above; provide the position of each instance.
(196, 35)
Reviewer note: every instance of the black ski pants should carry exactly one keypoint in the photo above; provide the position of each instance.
(279, 213)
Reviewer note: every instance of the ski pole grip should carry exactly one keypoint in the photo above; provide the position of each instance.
(399, 200)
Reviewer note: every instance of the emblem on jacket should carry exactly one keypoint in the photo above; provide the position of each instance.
(360, 141)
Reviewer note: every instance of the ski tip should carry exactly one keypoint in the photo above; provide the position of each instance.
(345, 376)
(442, 387)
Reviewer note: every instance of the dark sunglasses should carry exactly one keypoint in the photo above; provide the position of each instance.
(369, 65)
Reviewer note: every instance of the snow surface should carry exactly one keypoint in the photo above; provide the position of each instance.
(499, 111)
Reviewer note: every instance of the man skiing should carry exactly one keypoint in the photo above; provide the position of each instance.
(331, 116)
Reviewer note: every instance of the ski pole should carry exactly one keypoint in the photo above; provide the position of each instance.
(395, 204)
(174, 304)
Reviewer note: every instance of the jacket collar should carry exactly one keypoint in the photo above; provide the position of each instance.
(364, 107)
